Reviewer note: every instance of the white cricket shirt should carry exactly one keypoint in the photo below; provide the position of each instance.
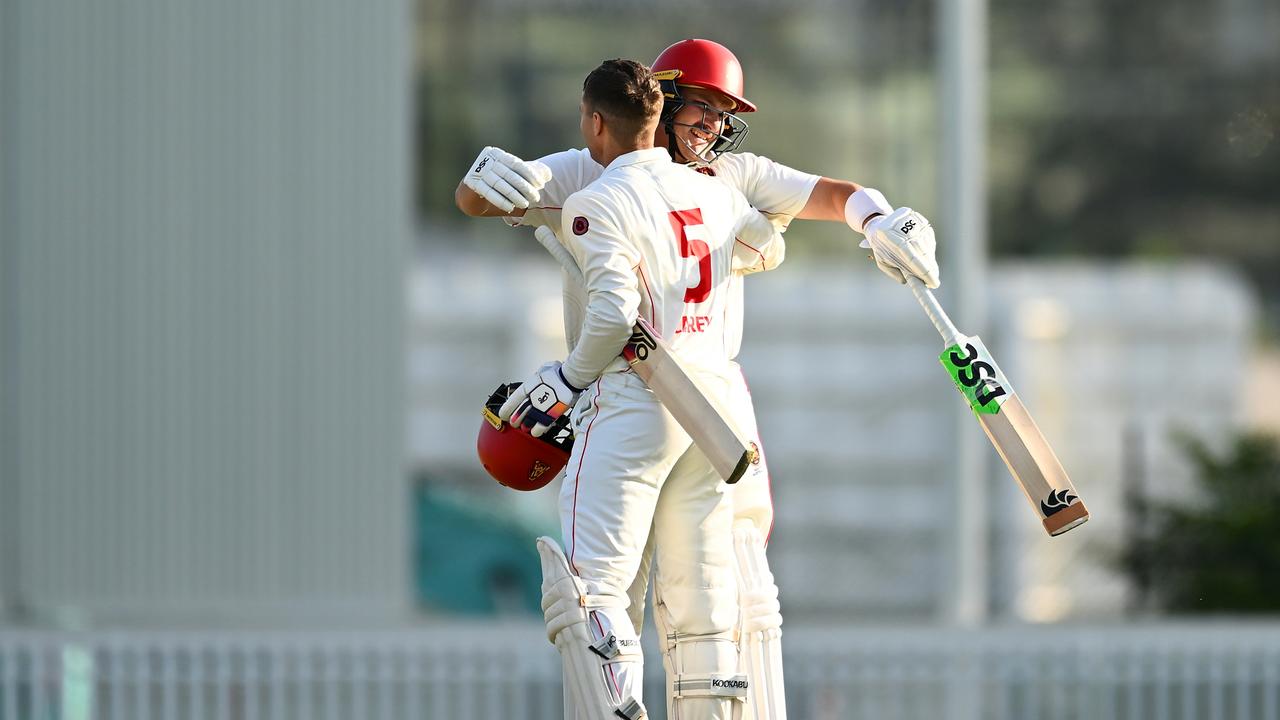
(769, 186)
(659, 240)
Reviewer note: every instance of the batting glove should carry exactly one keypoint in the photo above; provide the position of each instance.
(506, 181)
(540, 400)
(903, 242)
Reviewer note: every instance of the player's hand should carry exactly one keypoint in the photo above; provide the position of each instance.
(506, 181)
(540, 400)
(903, 242)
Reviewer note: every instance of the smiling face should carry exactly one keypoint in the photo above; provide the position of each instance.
(698, 123)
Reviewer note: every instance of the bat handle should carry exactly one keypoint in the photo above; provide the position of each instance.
(547, 238)
(934, 310)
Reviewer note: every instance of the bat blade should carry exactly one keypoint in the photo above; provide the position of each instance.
(1014, 435)
(1034, 466)
(728, 449)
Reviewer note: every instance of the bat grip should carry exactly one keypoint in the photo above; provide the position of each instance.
(934, 310)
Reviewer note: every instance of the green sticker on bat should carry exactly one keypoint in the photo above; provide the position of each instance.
(976, 375)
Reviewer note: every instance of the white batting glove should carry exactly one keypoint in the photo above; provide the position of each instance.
(903, 242)
(541, 399)
(506, 181)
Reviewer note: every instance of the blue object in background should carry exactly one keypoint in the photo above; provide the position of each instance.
(470, 557)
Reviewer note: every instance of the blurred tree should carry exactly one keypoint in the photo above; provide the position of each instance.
(1220, 553)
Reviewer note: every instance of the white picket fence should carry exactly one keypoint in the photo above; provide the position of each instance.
(507, 671)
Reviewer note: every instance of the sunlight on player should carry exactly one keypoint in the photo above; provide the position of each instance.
(701, 125)
(633, 467)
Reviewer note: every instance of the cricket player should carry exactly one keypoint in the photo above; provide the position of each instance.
(660, 241)
(701, 127)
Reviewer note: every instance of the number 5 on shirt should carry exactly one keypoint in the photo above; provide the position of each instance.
(728, 449)
(681, 220)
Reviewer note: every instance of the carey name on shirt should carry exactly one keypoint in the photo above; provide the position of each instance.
(694, 324)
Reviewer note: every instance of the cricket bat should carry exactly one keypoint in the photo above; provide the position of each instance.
(1006, 421)
(728, 449)
(697, 411)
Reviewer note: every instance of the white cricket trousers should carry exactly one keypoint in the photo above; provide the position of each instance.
(632, 468)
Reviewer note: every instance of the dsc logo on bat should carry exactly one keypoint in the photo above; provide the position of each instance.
(976, 374)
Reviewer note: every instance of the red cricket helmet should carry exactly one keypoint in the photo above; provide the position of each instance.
(707, 64)
(514, 457)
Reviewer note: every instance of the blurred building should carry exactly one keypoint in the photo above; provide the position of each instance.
(204, 219)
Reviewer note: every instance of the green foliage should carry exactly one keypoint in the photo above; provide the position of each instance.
(1222, 552)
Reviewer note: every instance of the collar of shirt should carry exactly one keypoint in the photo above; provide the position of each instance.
(636, 157)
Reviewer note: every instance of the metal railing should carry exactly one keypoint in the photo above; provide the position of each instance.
(472, 671)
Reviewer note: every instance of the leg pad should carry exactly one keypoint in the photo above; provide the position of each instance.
(603, 663)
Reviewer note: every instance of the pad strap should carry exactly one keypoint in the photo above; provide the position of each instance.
(631, 710)
(712, 685)
(610, 648)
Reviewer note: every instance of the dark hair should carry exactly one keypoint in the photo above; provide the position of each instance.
(626, 93)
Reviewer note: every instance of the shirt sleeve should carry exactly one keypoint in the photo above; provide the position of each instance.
(757, 242)
(773, 188)
(607, 258)
(571, 170)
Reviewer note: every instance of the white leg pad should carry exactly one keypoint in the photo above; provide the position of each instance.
(603, 663)
(702, 678)
(761, 637)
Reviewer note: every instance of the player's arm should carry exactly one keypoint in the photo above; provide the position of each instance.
(472, 204)
(607, 262)
(901, 240)
(828, 199)
(500, 184)
(607, 258)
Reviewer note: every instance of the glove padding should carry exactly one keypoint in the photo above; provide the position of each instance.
(540, 400)
(506, 181)
(903, 242)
